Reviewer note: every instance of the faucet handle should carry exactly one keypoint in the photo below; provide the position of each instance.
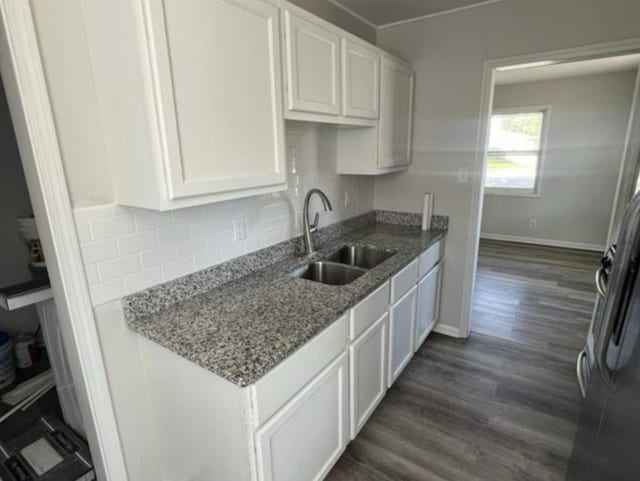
(314, 225)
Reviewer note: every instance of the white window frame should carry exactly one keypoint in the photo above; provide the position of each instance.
(535, 192)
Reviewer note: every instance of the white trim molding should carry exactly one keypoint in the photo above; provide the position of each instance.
(583, 246)
(482, 141)
(447, 330)
(355, 15)
(27, 95)
(438, 14)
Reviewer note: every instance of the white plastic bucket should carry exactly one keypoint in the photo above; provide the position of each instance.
(7, 362)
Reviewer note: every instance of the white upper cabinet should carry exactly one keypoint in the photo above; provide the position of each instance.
(331, 76)
(396, 113)
(385, 148)
(313, 66)
(361, 72)
(191, 96)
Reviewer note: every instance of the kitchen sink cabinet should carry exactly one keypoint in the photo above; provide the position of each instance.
(306, 437)
(294, 422)
(178, 104)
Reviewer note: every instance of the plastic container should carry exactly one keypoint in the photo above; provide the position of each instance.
(7, 362)
(28, 232)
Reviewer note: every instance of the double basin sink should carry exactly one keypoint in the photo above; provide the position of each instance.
(343, 266)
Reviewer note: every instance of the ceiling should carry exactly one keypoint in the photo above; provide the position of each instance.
(383, 12)
(569, 69)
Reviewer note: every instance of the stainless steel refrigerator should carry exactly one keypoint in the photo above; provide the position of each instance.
(607, 443)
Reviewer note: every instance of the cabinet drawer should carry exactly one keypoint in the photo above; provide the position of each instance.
(431, 257)
(369, 310)
(283, 382)
(404, 280)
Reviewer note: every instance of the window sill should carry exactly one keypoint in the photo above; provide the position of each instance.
(510, 193)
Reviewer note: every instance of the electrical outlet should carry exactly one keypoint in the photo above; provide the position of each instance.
(532, 223)
(239, 228)
(347, 199)
(463, 175)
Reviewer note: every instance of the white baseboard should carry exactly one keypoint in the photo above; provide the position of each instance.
(543, 242)
(447, 330)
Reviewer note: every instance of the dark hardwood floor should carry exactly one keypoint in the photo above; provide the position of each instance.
(502, 404)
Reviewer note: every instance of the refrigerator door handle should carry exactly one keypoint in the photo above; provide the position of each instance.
(580, 373)
(601, 281)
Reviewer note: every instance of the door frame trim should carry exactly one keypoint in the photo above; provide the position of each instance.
(482, 141)
(33, 121)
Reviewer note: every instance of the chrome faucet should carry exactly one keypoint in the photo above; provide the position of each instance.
(308, 229)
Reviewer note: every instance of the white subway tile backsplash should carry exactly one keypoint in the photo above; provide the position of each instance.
(143, 280)
(111, 227)
(209, 258)
(140, 241)
(157, 257)
(92, 274)
(173, 233)
(118, 268)
(98, 251)
(127, 249)
(148, 219)
(107, 291)
(191, 247)
(179, 268)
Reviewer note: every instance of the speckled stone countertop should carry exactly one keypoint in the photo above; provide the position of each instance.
(240, 330)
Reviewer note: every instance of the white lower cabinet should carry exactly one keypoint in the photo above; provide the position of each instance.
(402, 319)
(428, 304)
(303, 440)
(293, 423)
(368, 370)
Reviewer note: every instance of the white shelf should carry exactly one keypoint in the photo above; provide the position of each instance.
(24, 294)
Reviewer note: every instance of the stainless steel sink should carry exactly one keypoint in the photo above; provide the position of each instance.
(361, 256)
(330, 273)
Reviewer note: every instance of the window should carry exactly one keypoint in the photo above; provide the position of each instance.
(515, 149)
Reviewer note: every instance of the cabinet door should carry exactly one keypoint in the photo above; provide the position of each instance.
(428, 304)
(218, 94)
(303, 440)
(313, 66)
(402, 322)
(368, 369)
(396, 113)
(361, 73)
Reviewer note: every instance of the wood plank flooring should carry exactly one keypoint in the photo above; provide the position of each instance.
(501, 405)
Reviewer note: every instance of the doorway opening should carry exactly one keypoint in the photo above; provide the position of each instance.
(555, 153)
(39, 409)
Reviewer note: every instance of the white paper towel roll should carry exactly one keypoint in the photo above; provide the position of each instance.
(427, 210)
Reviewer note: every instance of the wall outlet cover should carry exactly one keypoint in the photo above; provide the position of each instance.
(239, 228)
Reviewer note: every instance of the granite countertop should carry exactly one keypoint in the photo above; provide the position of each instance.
(240, 330)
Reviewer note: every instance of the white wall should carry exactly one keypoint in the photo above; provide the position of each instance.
(14, 202)
(586, 133)
(448, 52)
